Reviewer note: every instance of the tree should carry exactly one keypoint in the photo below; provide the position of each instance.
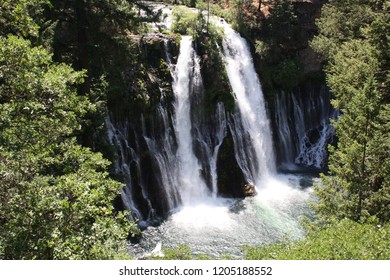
(85, 28)
(56, 197)
(358, 184)
(341, 21)
(93, 35)
(18, 17)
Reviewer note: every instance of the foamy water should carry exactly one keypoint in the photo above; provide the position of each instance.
(222, 226)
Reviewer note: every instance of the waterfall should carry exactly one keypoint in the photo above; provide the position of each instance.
(126, 156)
(220, 134)
(208, 138)
(163, 151)
(188, 78)
(303, 129)
(283, 123)
(171, 156)
(249, 125)
(184, 157)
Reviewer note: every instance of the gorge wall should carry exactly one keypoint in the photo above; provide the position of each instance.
(147, 137)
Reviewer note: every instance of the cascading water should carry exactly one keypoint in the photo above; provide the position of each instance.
(175, 161)
(207, 223)
(303, 130)
(220, 134)
(250, 126)
(126, 156)
(192, 185)
(163, 152)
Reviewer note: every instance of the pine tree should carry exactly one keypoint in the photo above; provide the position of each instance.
(358, 184)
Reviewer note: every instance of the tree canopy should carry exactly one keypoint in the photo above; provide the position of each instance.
(354, 41)
(56, 195)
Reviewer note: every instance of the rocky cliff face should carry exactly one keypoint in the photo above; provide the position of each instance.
(141, 128)
(133, 116)
(301, 116)
(307, 12)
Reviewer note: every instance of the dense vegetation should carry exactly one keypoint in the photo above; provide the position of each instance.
(62, 63)
(354, 41)
(353, 204)
(56, 195)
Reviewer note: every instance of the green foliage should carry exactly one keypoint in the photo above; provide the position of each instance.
(262, 48)
(188, 22)
(56, 198)
(276, 44)
(38, 97)
(287, 74)
(182, 252)
(343, 240)
(358, 184)
(61, 217)
(340, 21)
(19, 17)
(281, 24)
(215, 9)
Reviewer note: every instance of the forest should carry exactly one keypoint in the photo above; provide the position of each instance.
(72, 70)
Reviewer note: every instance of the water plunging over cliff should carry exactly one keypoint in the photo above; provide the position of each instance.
(250, 125)
(178, 158)
(302, 127)
(192, 186)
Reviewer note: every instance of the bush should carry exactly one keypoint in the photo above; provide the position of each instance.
(287, 74)
(187, 22)
(343, 240)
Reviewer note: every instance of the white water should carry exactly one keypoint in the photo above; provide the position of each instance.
(163, 152)
(221, 228)
(187, 76)
(118, 137)
(220, 134)
(285, 133)
(206, 223)
(217, 226)
(303, 127)
(256, 153)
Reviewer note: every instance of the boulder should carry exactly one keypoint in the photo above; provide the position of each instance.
(249, 189)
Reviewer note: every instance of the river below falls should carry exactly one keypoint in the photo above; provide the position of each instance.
(221, 227)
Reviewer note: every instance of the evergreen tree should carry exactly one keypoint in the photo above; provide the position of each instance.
(56, 196)
(358, 184)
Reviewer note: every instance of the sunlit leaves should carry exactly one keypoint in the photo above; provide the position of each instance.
(56, 197)
(17, 16)
(343, 240)
(353, 39)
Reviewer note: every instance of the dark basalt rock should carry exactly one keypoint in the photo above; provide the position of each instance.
(248, 189)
